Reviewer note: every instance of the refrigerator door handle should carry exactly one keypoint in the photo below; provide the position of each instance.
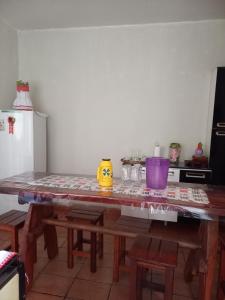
(220, 133)
(220, 124)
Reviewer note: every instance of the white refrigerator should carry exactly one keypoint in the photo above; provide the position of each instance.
(22, 147)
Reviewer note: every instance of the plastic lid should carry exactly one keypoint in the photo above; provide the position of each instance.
(106, 159)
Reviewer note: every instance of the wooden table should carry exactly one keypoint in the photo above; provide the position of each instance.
(20, 185)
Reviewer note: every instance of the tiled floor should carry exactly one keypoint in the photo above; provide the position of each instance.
(54, 281)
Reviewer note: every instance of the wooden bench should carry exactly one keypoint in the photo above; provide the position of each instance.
(131, 225)
(152, 254)
(11, 222)
(187, 233)
(86, 215)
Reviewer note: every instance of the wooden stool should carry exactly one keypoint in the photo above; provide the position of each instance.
(131, 225)
(188, 234)
(12, 221)
(152, 254)
(85, 215)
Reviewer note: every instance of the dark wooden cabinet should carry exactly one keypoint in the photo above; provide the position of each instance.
(219, 102)
(217, 147)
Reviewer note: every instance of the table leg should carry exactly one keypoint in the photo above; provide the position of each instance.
(210, 247)
(50, 237)
(135, 288)
(33, 228)
(116, 259)
(221, 277)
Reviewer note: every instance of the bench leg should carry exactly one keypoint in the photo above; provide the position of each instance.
(93, 251)
(191, 265)
(34, 227)
(50, 237)
(70, 243)
(169, 278)
(101, 240)
(119, 255)
(116, 259)
(122, 250)
(14, 241)
(35, 251)
(80, 240)
(27, 257)
(135, 281)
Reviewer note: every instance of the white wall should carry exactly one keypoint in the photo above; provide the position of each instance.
(8, 65)
(8, 77)
(112, 90)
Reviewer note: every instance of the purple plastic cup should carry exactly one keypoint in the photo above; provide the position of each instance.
(156, 172)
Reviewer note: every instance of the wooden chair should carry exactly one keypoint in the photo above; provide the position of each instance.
(11, 222)
(131, 225)
(152, 254)
(87, 215)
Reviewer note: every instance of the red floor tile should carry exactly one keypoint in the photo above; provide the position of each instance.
(88, 290)
(52, 284)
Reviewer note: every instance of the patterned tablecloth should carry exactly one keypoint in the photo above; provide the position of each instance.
(128, 188)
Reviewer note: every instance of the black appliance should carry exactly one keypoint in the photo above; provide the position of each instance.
(217, 149)
(184, 172)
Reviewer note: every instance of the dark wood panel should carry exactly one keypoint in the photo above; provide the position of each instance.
(219, 105)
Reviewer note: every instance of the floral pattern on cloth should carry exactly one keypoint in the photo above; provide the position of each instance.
(128, 188)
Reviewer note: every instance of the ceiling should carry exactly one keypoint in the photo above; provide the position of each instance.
(45, 14)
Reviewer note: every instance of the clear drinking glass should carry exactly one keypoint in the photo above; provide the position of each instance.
(136, 172)
(126, 172)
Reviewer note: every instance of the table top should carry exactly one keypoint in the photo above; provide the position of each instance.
(27, 184)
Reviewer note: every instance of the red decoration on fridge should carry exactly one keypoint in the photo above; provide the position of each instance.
(11, 122)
